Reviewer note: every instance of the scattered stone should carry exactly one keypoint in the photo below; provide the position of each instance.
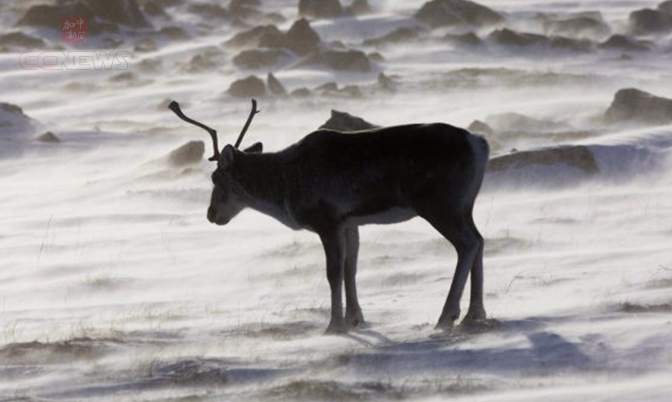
(479, 127)
(648, 21)
(468, 39)
(202, 63)
(577, 156)
(634, 105)
(623, 43)
(21, 40)
(188, 154)
(666, 7)
(154, 9)
(175, 33)
(244, 9)
(301, 93)
(145, 45)
(13, 120)
(107, 14)
(258, 58)
(264, 35)
(507, 37)
(375, 56)
(320, 8)
(345, 122)
(399, 35)
(350, 60)
(578, 26)
(208, 10)
(249, 87)
(518, 123)
(359, 7)
(439, 13)
(327, 88)
(301, 38)
(123, 77)
(48, 137)
(386, 83)
(274, 86)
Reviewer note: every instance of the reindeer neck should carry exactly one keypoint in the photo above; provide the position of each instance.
(262, 179)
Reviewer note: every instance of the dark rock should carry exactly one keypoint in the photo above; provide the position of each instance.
(351, 60)
(320, 8)
(207, 10)
(438, 13)
(103, 15)
(123, 77)
(250, 87)
(666, 7)
(375, 56)
(301, 93)
(386, 83)
(13, 120)
(264, 35)
(258, 58)
(202, 63)
(359, 7)
(479, 127)
(468, 39)
(154, 9)
(21, 40)
(515, 122)
(327, 88)
(188, 154)
(301, 38)
(244, 9)
(647, 21)
(398, 35)
(507, 37)
(274, 86)
(577, 156)
(48, 137)
(145, 45)
(623, 43)
(578, 26)
(638, 106)
(568, 44)
(175, 33)
(345, 122)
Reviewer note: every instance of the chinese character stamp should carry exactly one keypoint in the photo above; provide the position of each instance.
(74, 30)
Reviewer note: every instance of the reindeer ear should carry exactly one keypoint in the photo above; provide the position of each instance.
(227, 157)
(255, 148)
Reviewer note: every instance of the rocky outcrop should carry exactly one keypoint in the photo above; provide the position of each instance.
(577, 156)
(648, 21)
(188, 154)
(340, 60)
(13, 121)
(258, 58)
(345, 122)
(301, 38)
(275, 87)
(108, 15)
(440, 13)
(263, 35)
(577, 26)
(320, 8)
(48, 137)
(634, 105)
(399, 35)
(19, 40)
(249, 87)
(624, 44)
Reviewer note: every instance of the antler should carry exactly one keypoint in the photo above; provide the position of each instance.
(175, 107)
(247, 123)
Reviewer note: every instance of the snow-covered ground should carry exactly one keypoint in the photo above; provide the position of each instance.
(114, 286)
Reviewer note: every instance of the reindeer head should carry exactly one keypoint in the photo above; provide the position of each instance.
(225, 202)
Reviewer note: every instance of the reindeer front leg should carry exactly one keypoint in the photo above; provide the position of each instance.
(334, 245)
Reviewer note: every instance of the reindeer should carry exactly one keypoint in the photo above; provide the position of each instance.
(331, 183)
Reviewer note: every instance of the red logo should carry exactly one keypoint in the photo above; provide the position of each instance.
(74, 30)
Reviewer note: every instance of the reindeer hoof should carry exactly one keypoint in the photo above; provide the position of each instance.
(475, 315)
(354, 320)
(445, 325)
(336, 328)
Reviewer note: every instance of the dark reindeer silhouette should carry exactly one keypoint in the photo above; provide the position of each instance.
(331, 183)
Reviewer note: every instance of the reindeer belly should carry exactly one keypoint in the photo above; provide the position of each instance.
(382, 217)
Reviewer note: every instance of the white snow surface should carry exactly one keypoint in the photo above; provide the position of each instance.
(115, 287)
